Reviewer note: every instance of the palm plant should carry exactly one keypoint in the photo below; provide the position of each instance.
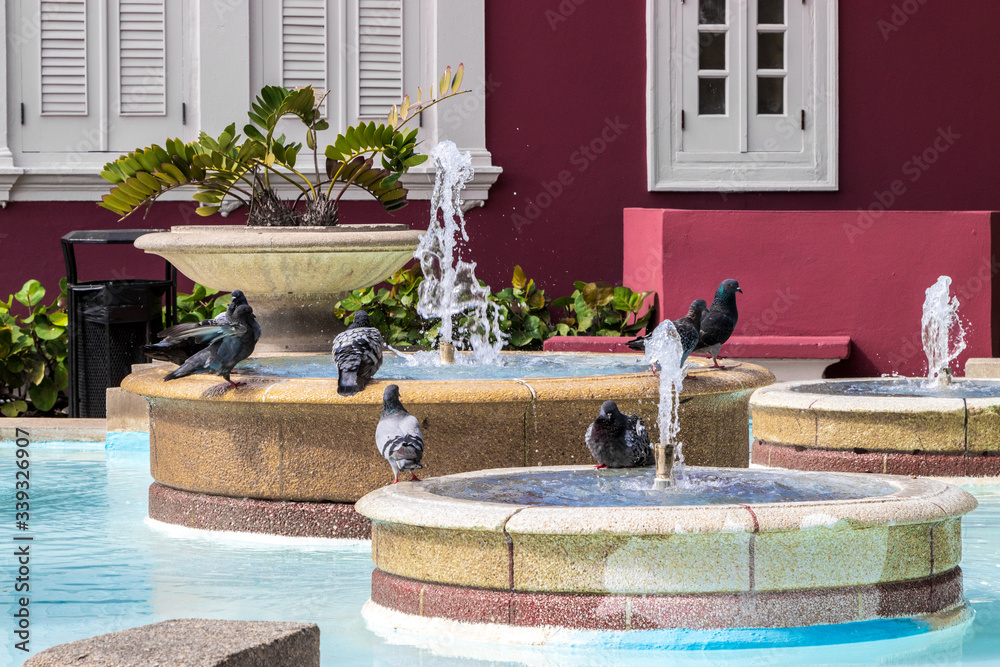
(245, 167)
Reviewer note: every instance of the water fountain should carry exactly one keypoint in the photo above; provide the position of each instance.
(933, 426)
(529, 554)
(285, 454)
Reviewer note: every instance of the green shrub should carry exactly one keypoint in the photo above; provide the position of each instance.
(598, 309)
(33, 346)
(32, 350)
(203, 303)
(594, 309)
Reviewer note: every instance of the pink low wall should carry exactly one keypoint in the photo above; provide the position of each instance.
(824, 273)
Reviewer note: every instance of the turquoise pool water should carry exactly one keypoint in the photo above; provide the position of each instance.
(99, 566)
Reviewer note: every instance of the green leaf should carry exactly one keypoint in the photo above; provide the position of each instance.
(31, 294)
(36, 370)
(45, 330)
(14, 408)
(44, 394)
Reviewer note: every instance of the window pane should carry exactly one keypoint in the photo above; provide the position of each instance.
(770, 50)
(771, 11)
(711, 11)
(770, 95)
(712, 50)
(711, 96)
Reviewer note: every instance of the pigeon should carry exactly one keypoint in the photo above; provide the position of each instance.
(687, 328)
(718, 323)
(176, 348)
(398, 435)
(227, 345)
(357, 352)
(617, 440)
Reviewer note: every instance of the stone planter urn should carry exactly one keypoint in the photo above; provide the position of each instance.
(291, 276)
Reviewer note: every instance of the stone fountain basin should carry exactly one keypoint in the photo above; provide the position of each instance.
(801, 425)
(297, 440)
(781, 564)
(292, 276)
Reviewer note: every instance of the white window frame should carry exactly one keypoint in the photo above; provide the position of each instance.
(219, 90)
(670, 168)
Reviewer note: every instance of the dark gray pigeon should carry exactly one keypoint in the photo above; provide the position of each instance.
(357, 352)
(617, 440)
(228, 344)
(398, 435)
(177, 348)
(688, 328)
(717, 325)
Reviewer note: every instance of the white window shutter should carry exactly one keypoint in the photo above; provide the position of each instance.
(63, 67)
(303, 44)
(380, 56)
(142, 47)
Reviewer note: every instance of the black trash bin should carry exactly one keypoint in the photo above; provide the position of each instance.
(110, 321)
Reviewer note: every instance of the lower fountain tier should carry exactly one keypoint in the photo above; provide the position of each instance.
(879, 425)
(397, 600)
(248, 515)
(297, 440)
(611, 553)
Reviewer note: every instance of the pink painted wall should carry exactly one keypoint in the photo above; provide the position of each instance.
(566, 72)
(816, 273)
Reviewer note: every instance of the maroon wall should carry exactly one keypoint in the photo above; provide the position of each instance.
(562, 70)
(816, 273)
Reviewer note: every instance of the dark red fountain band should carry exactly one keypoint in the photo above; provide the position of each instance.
(890, 463)
(756, 609)
(250, 515)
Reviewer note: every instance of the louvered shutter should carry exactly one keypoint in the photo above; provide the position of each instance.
(146, 78)
(380, 56)
(303, 44)
(63, 67)
(142, 49)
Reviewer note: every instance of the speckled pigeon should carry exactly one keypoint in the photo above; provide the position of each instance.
(357, 351)
(176, 348)
(398, 435)
(688, 328)
(617, 440)
(717, 325)
(228, 344)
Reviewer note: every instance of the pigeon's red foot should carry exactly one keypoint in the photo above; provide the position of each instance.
(598, 467)
(395, 481)
(237, 384)
(413, 477)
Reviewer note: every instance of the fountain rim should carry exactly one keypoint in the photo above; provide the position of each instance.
(149, 382)
(916, 501)
(228, 239)
(790, 395)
